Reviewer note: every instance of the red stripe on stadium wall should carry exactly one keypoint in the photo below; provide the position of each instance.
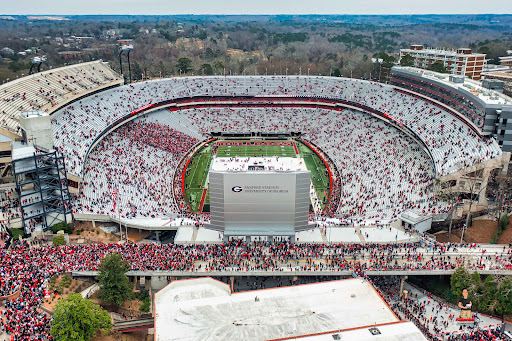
(183, 177)
(203, 198)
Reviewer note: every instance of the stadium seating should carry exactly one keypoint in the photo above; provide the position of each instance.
(51, 88)
(452, 144)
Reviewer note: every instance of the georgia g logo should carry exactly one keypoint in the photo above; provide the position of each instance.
(237, 189)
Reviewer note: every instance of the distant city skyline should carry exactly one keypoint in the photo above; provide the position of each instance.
(165, 7)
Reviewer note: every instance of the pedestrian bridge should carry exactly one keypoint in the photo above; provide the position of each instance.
(254, 273)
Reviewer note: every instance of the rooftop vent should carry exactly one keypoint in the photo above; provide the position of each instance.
(374, 331)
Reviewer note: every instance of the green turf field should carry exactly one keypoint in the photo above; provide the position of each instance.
(256, 151)
(319, 173)
(197, 170)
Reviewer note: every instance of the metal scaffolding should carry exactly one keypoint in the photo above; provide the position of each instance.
(42, 190)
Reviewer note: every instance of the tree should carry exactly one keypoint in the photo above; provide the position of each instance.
(438, 67)
(407, 60)
(184, 64)
(114, 284)
(475, 288)
(207, 69)
(450, 196)
(387, 60)
(504, 297)
(76, 318)
(473, 185)
(459, 281)
(59, 240)
(62, 226)
(488, 301)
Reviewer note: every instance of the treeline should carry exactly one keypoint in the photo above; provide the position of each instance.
(493, 295)
(270, 46)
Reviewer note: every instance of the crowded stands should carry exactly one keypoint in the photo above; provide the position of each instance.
(450, 139)
(376, 162)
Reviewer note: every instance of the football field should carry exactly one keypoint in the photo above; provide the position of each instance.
(196, 176)
(256, 148)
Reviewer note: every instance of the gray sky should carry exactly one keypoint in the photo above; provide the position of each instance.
(61, 7)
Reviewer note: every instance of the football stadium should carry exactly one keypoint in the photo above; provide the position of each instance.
(263, 186)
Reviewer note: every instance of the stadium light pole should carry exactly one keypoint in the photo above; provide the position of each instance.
(129, 66)
(121, 62)
(126, 48)
(378, 61)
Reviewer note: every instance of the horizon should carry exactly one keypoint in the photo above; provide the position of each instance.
(262, 7)
(261, 14)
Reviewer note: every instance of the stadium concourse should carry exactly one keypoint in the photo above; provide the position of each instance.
(382, 170)
(28, 266)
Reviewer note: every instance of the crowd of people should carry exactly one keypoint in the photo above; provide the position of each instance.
(375, 161)
(436, 320)
(30, 267)
(137, 162)
(372, 157)
(76, 126)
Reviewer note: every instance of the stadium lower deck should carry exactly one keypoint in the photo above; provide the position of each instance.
(381, 171)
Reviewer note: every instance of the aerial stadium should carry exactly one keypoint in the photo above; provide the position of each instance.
(141, 153)
(221, 161)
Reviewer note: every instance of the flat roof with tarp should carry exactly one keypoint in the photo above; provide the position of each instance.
(206, 309)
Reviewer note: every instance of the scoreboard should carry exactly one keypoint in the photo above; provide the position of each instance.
(259, 202)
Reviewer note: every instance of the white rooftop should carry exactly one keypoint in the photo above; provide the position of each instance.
(399, 331)
(474, 87)
(36, 113)
(414, 216)
(205, 309)
(244, 164)
(444, 52)
(22, 151)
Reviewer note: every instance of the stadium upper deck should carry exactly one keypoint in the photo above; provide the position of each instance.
(49, 90)
(453, 140)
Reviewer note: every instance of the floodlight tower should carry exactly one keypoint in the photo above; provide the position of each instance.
(377, 61)
(38, 60)
(122, 49)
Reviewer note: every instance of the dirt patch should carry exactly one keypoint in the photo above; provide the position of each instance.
(140, 335)
(91, 234)
(481, 232)
(130, 309)
(49, 303)
(506, 236)
(136, 237)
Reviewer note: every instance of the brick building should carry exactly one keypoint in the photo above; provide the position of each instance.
(458, 62)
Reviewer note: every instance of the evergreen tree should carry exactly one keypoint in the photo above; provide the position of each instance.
(459, 281)
(115, 285)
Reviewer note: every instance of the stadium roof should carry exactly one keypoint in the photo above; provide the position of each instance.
(205, 309)
(469, 85)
